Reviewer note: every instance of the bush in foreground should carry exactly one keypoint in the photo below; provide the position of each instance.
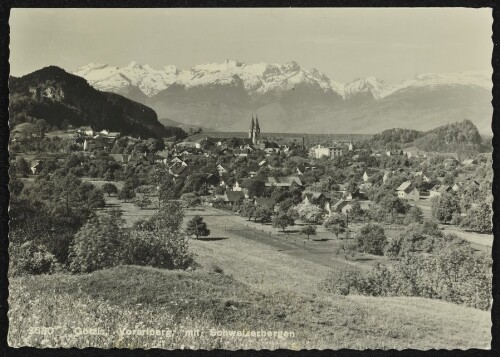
(30, 258)
(343, 281)
(158, 249)
(455, 273)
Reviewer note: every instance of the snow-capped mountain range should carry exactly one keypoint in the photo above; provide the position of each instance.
(222, 95)
(259, 78)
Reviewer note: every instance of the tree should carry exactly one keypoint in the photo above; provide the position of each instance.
(309, 230)
(263, 214)
(109, 188)
(155, 145)
(169, 217)
(255, 187)
(143, 202)
(95, 199)
(248, 210)
(371, 239)
(99, 244)
(126, 193)
(444, 206)
(309, 213)
(197, 227)
(41, 127)
(414, 215)
(347, 247)
(23, 167)
(282, 220)
(336, 224)
(15, 186)
(356, 213)
(479, 219)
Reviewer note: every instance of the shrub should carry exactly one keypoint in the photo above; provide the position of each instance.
(197, 227)
(343, 281)
(30, 258)
(109, 188)
(455, 273)
(157, 248)
(371, 239)
(99, 244)
(263, 214)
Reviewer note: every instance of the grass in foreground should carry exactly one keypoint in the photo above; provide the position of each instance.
(128, 298)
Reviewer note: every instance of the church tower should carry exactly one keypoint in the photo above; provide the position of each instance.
(252, 128)
(256, 134)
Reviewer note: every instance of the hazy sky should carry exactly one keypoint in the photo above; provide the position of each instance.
(392, 44)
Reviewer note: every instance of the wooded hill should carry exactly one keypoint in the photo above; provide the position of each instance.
(458, 136)
(63, 99)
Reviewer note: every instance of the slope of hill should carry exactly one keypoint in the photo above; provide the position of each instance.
(290, 98)
(458, 136)
(128, 297)
(61, 98)
(451, 137)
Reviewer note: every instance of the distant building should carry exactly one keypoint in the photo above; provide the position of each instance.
(469, 162)
(36, 167)
(254, 132)
(222, 170)
(407, 191)
(438, 190)
(320, 151)
(286, 181)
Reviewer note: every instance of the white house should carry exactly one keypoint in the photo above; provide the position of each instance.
(319, 151)
(438, 190)
(407, 191)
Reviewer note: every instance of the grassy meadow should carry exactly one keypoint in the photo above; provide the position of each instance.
(135, 298)
(249, 277)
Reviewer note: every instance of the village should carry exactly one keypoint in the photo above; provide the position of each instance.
(229, 173)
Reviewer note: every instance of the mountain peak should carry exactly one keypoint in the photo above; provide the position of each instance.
(370, 86)
(134, 65)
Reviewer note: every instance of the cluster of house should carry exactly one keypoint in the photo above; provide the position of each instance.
(330, 202)
(96, 138)
(438, 190)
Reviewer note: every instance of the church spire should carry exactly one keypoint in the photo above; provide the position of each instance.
(257, 127)
(252, 124)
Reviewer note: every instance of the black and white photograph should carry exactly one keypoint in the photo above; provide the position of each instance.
(250, 178)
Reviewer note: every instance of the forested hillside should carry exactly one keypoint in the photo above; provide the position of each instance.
(63, 99)
(452, 137)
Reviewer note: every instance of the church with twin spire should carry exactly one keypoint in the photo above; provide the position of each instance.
(254, 132)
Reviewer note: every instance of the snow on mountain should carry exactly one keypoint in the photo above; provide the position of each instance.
(261, 78)
(370, 85)
(258, 78)
(432, 80)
